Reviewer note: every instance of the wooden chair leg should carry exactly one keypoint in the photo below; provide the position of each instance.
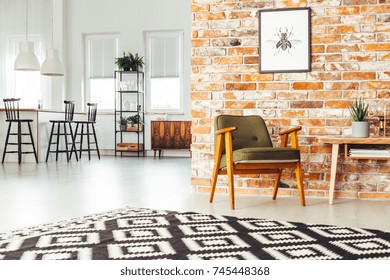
(231, 185)
(229, 167)
(298, 174)
(217, 162)
(214, 182)
(276, 184)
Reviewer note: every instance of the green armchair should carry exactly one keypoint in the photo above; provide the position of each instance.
(243, 146)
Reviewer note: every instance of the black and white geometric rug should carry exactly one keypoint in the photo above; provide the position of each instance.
(144, 234)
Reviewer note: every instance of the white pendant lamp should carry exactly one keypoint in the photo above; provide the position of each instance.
(52, 65)
(26, 59)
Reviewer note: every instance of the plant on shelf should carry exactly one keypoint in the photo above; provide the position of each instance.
(136, 119)
(136, 61)
(359, 114)
(124, 62)
(135, 123)
(123, 123)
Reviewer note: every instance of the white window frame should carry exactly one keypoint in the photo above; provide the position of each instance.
(87, 38)
(148, 74)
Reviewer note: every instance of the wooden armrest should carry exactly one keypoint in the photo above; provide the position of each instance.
(294, 137)
(288, 131)
(225, 130)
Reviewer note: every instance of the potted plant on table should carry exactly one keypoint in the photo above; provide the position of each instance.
(135, 123)
(122, 123)
(360, 123)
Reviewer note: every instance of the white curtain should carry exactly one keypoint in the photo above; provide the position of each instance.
(28, 85)
(102, 52)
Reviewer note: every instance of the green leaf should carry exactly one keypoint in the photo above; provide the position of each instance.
(359, 111)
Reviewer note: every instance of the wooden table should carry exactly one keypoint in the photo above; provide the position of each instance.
(336, 141)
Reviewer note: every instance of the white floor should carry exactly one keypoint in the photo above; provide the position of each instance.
(32, 194)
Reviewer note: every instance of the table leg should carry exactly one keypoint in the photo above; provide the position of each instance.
(333, 169)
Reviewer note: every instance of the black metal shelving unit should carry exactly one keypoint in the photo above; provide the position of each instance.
(130, 101)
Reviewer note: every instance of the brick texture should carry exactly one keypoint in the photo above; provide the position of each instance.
(350, 59)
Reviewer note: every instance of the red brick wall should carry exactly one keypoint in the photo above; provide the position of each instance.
(350, 59)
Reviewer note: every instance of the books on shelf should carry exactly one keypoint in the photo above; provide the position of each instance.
(369, 153)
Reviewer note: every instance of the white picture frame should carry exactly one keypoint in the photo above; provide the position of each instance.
(284, 40)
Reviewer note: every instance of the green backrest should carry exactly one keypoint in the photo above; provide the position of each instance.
(252, 131)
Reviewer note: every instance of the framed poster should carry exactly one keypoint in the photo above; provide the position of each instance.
(284, 40)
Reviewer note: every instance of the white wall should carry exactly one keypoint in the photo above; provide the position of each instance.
(130, 19)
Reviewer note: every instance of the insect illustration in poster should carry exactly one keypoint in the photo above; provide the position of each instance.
(285, 42)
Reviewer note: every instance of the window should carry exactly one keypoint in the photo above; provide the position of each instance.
(101, 51)
(164, 57)
(26, 85)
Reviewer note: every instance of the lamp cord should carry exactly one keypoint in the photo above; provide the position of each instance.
(26, 20)
(52, 24)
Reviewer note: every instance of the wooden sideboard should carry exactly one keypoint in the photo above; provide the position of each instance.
(170, 135)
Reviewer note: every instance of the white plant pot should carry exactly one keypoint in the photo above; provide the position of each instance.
(360, 129)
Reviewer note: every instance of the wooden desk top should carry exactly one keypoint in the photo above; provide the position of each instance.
(354, 140)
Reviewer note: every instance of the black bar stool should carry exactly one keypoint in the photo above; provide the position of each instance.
(65, 124)
(12, 116)
(89, 131)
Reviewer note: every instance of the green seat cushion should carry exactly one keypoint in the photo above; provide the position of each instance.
(265, 154)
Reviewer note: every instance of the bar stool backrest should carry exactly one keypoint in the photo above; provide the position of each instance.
(92, 110)
(11, 106)
(69, 110)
